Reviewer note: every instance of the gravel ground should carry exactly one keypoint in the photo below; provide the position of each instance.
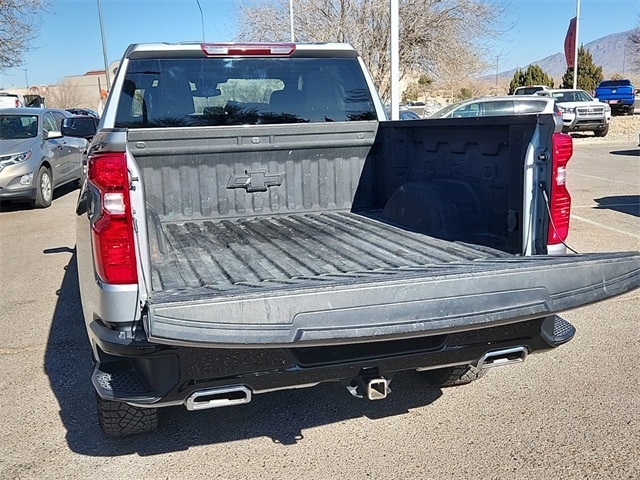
(623, 128)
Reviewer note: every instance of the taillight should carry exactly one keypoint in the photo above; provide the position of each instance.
(112, 225)
(248, 49)
(560, 200)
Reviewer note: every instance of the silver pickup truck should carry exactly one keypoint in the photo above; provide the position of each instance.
(251, 222)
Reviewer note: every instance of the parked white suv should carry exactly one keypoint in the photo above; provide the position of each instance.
(11, 100)
(530, 89)
(580, 111)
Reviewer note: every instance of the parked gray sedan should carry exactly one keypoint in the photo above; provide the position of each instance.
(35, 158)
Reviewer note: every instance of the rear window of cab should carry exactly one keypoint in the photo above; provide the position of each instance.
(239, 91)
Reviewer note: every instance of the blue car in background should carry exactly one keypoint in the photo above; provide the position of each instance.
(619, 94)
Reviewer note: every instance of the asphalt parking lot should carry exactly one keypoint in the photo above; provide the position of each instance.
(570, 413)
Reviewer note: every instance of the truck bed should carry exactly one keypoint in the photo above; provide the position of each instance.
(369, 231)
(241, 255)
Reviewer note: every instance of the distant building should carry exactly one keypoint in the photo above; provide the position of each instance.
(90, 89)
(81, 91)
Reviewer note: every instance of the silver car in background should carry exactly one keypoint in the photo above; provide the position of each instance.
(497, 106)
(35, 158)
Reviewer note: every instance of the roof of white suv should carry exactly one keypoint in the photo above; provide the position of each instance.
(567, 95)
(530, 89)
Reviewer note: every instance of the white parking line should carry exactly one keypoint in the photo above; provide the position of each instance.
(602, 207)
(605, 179)
(598, 224)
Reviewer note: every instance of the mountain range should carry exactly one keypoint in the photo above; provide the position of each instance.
(612, 52)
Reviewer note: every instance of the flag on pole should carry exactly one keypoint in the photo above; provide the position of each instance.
(570, 43)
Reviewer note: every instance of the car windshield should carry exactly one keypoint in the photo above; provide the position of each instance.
(615, 83)
(573, 96)
(13, 127)
(528, 90)
(444, 112)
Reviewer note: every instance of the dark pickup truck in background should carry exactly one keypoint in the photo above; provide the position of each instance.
(619, 94)
(252, 222)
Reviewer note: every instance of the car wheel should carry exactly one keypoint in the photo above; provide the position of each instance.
(453, 376)
(44, 188)
(118, 419)
(601, 133)
(632, 111)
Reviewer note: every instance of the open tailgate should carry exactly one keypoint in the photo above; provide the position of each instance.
(390, 303)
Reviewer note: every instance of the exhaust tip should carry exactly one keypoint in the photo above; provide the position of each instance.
(507, 356)
(218, 397)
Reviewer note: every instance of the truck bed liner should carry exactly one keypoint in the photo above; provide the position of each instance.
(248, 254)
(344, 277)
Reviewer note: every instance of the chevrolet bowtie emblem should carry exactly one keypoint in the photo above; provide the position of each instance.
(255, 180)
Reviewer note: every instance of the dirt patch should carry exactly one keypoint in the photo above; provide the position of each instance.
(624, 128)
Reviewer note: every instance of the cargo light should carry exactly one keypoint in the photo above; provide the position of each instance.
(560, 200)
(248, 49)
(112, 227)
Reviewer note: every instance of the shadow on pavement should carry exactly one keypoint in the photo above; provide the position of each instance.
(26, 205)
(629, 204)
(627, 153)
(281, 416)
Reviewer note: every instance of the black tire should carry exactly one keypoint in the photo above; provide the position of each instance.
(601, 133)
(631, 111)
(118, 419)
(453, 376)
(44, 188)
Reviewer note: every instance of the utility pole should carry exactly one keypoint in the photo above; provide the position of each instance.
(395, 60)
(293, 37)
(26, 79)
(201, 19)
(575, 61)
(104, 48)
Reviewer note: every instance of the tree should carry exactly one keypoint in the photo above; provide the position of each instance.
(424, 82)
(65, 95)
(439, 39)
(533, 75)
(633, 42)
(465, 93)
(18, 28)
(411, 93)
(589, 75)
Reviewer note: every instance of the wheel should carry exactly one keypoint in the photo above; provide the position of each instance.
(453, 376)
(44, 188)
(601, 133)
(118, 419)
(631, 111)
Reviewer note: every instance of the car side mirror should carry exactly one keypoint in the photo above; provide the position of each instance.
(50, 134)
(80, 127)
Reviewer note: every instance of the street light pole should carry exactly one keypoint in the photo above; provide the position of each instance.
(201, 19)
(395, 60)
(575, 52)
(293, 37)
(104, 48)
(26, 79)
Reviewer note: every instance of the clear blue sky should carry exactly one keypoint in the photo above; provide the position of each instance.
(69, 42)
